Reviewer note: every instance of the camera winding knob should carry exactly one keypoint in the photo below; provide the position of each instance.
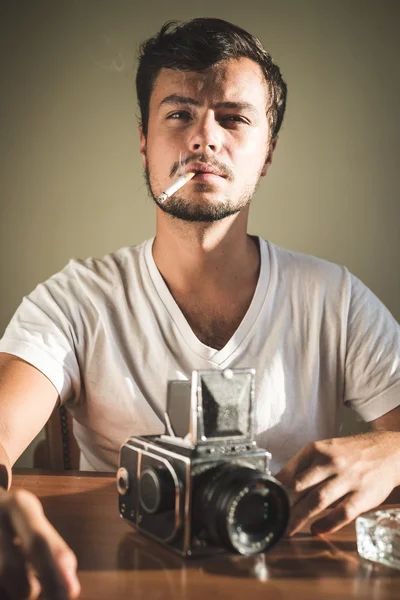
(122, 481)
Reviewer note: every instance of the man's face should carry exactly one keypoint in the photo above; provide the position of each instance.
(214, 123)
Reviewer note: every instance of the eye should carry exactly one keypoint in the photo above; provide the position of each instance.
(180, 115)
(235, 119)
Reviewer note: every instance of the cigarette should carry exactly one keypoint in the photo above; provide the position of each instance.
(180, 182)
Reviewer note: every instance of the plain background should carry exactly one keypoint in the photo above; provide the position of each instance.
(71, 178)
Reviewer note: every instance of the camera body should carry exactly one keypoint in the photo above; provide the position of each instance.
(204, 487)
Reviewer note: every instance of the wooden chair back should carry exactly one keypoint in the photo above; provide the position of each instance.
(59, 451)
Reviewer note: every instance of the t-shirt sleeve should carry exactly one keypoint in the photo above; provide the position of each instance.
(43, 333)
(372, 368)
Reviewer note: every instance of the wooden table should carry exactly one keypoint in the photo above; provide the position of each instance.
(117, 563)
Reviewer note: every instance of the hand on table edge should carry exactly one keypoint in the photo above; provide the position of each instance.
(32, 549)
(350, 475)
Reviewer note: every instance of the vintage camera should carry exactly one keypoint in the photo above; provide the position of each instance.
(205, 487)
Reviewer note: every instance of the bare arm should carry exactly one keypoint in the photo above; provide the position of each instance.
(27, 399)
(388, 422)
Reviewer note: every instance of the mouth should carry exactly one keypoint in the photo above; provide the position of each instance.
(204, 172)
(206, 176)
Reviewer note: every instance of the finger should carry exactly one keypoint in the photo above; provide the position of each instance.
(346, 511)
(34, 584)
(54, 579)
(310, 478)
(316, 500)
(315, 463)
(301, 461)
(14, 580)
(53, 560)
(34, 589)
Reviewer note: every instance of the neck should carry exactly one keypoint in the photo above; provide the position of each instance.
(199, 257)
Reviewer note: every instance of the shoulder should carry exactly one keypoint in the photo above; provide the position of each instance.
(110, 271)
(296, 268)
(321, 282)
(91, 281)
(111, 266)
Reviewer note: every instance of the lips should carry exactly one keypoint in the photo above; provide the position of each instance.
(203, 170)
(210, 177)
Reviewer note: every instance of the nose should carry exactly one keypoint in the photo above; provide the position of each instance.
(205, 135)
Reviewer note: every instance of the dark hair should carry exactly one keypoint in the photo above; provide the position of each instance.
(196, 46)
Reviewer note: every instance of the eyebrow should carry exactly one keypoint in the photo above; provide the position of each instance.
(177, 100)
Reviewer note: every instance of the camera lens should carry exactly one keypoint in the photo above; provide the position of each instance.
(241, 508)
(252, 514)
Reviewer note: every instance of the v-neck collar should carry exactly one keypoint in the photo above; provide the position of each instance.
(202, 350)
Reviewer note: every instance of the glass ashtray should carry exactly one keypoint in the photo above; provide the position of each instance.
(378, 537)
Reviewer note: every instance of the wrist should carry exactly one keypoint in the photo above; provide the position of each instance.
(5, 469)
(4, 477)
(397, 457)
(393, 452)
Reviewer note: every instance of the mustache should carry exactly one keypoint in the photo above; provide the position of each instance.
(206, 160)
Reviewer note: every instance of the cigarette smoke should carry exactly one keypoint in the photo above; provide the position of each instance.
(112, 53)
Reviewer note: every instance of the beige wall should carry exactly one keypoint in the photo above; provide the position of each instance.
(71, 181)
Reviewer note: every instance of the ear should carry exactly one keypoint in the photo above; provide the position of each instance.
(268, 161)
(143, 146)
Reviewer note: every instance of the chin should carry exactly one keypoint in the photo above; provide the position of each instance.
(199, 212)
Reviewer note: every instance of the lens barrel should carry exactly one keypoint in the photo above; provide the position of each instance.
(242, 509)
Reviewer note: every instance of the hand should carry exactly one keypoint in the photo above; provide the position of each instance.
(31, 550)
(354, 474)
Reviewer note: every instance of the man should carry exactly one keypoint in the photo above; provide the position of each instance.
(104, 336)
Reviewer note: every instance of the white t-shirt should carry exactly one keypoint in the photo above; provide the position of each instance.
(109, 335)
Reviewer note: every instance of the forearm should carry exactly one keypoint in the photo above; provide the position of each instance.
(5, 469)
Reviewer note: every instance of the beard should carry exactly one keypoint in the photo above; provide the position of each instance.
(181, 207)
